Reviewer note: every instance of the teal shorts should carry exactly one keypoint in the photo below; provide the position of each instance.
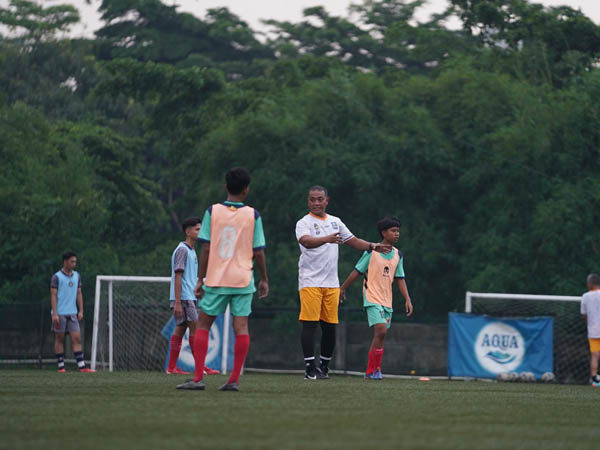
(214, 304)
(379, 314)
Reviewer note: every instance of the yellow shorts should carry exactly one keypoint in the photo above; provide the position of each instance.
(319, 304)
(594, 344)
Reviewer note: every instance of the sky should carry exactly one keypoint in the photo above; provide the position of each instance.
(252, 11)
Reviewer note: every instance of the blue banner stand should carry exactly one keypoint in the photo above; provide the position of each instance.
(216, 358)
(485, 346)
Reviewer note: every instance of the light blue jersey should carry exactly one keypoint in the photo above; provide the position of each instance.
(184, 259)
(66, 296)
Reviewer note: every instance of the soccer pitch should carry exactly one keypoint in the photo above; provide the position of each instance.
(143, 410)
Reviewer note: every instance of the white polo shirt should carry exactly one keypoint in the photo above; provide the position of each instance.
(318, 267)
(590, 305)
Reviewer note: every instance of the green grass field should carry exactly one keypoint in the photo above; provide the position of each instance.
(139, 410)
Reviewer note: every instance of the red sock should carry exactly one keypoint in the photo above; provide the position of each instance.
(191, 341)
(200, 349)
(370, 363)
(378, 357)
(174, 352)
(240, 350)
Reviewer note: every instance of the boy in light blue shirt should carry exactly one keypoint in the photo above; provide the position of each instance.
(67, 310)
(184, 276)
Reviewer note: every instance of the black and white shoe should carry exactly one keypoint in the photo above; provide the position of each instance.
(230, 387)
(191, 385)
(311, 373)
(322, 373)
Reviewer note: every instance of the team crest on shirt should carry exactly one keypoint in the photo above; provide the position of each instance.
(317, 231)
(334, 225)
(386, 272)
(70, 284)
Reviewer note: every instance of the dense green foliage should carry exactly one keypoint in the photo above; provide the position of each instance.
(484, 141)
(130, 410)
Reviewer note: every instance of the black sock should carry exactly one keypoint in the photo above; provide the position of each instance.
(60, 360)
(309, 364)
(307, 338)
(327, 342)
(325, 363)
(79, 358)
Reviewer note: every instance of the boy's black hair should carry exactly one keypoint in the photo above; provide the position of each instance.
(237, 179)
(316, 187)
(190, 222)
(387, 222)
(593, 279)
(68, 255)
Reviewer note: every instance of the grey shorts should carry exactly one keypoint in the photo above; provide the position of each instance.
(66, 324)
(190, 313)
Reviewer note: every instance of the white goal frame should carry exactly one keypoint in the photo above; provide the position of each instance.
(110, 279)
(469, 296)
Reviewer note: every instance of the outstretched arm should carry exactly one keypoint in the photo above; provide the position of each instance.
(261, 262)
(404, 291)
(346, 284)
(359, 244)
(314, 242)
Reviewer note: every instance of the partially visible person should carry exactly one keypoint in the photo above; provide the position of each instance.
(233, 238)
(319, 235)
(66, 300)
(590, 309)
(184, 276)
(380, 271)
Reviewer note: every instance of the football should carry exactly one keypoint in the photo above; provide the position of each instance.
(527, 377)
(548, 377)
(503, 376)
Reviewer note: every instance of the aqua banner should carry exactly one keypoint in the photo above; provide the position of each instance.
(484, 346)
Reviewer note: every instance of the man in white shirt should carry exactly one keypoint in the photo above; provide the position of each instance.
(590, 309)
(318, 236)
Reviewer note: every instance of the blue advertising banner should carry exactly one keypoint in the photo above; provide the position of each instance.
(215, 346)
(484, 346)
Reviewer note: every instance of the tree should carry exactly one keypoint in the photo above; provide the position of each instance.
(383, 38)
(174, 100)
(550, 44)
(36, 21)
(148, 30)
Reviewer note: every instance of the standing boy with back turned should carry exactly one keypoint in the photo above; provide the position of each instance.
(590, 309)
(233, 237)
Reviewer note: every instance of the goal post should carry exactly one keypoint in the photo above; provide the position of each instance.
(570, 347)
(131, 319)
(469, 296)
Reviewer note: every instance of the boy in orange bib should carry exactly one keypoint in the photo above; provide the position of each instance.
(233, 238)
(380, 270)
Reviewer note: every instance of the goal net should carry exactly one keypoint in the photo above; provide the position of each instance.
(571, 351)
(133, 325)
